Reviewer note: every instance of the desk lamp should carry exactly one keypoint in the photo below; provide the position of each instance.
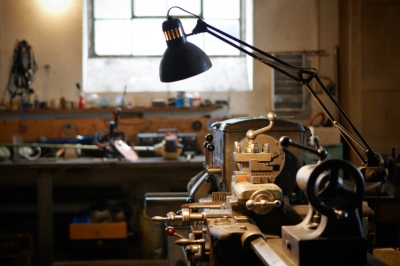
(183, 60)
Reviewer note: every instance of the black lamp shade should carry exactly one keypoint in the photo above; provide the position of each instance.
(182, 59)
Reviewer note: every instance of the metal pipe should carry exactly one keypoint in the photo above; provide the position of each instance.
(55, 146)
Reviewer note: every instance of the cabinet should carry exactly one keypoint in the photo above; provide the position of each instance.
(43, 196)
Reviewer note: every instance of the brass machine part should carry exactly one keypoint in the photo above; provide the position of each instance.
(251, 204)
(186, 217)
(251, 134)
(262, 202)
(261, 165)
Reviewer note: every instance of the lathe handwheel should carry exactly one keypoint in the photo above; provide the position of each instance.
(319, 198)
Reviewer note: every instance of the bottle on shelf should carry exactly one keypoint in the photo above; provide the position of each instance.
(81, 103)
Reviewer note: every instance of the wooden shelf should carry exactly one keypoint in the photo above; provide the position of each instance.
(110, 109)
(140, 112)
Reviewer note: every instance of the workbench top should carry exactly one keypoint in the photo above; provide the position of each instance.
(85, 162)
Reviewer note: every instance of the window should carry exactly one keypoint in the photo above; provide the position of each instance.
(125, 42)
(127, 28)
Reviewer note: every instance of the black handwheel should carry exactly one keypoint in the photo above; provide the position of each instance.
(319, 197)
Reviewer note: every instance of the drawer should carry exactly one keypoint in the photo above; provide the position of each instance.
(98, 231)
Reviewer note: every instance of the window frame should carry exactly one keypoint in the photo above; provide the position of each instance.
(91, 31)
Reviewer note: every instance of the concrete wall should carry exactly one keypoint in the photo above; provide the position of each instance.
(56, 37)
(284, 25)
(287, 25)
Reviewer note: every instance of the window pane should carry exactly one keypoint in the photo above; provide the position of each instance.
(148, 37)
(150, 8)
(221, 9)
(159, 8)
(112, 37)
(143, 36)
(112, 9)
(214, 46)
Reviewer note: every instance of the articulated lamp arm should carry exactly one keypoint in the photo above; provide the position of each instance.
(372, 163)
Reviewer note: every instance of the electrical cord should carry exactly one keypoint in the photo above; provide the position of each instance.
(311, 121)
(182, 10)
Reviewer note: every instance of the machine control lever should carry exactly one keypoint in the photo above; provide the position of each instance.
(209, 167)
(252, 134)
(186, 217)
(321, 152)
(171, 216)
(170, 231)
(251, 204)
(187, 242)
(209, 139)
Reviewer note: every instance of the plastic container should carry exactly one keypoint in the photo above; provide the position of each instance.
(179, 102)
(188, 102)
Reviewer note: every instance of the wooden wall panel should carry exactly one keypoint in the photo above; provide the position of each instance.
(370, 70)
(380, 122)
(380, 45)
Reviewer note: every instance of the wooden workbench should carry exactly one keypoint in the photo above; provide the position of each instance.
(59, 182)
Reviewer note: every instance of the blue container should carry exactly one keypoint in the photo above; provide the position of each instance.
(184, 102)
(180, 102)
